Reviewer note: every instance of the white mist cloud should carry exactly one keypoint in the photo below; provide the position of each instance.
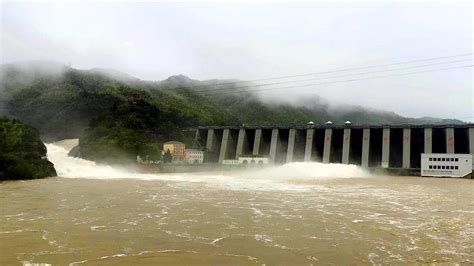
(247, 41)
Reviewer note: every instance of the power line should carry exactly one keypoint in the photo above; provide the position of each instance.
(349, 80)
(331, 77)
(461, 118)
(343, 81)
(334, 71)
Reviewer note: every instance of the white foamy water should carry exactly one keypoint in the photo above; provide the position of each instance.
(277, 177)
(67, 166)
(312, 170)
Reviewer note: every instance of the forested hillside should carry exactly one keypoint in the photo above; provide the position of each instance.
(22, 154)
(116, 115)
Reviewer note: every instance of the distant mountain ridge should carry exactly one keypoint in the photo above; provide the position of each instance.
(50, 95)
(115, 74)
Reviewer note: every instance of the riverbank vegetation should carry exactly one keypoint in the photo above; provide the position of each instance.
(22, 153)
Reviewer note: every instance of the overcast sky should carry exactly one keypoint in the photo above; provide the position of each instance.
(249, 41)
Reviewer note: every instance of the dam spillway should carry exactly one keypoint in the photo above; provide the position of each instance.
(384, 146)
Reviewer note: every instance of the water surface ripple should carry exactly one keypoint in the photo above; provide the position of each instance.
(236, 218)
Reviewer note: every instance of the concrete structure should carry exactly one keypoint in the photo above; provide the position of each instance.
(256, 142)
(274, 145)
(428, 140)
(177, 150)
(327, 144)
(247, 161)
(309, 144)
(242, 142)
(346, 144)
(446, 165)
(212, 142)
(406, 148)
(230, 162)
(227, 144)
(291, 145)
(387, 146)
(194, 156)
(471, 143)
(365, 147)
(449, 140)
(253, 160)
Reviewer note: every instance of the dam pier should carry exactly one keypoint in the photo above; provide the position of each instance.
(383, 146)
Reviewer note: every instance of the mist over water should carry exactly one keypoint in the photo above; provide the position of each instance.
(312, 170)
(288, 176)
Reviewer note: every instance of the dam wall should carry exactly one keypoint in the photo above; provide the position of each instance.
(384, 146)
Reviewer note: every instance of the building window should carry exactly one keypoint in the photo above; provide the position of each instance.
(429, 159)
(456, 159)
(456, 167)
(452, 167)
(431, 167)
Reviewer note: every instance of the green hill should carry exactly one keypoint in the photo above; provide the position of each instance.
(117, 116)
(22, 154)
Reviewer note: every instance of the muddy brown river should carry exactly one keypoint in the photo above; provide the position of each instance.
(297, 214)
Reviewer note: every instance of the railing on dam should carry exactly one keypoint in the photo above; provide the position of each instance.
(391, 146)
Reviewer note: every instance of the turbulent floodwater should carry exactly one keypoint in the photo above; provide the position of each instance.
(297, 214)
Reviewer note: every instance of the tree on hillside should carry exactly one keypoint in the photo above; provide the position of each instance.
(167, 157)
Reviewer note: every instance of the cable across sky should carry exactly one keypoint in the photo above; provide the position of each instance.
(331, 77)
(340, 81)
(334, 71)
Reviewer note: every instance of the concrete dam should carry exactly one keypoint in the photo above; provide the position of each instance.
(385, 146)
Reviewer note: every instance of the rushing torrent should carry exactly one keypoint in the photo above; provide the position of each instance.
(298, 214)
(274, 177)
